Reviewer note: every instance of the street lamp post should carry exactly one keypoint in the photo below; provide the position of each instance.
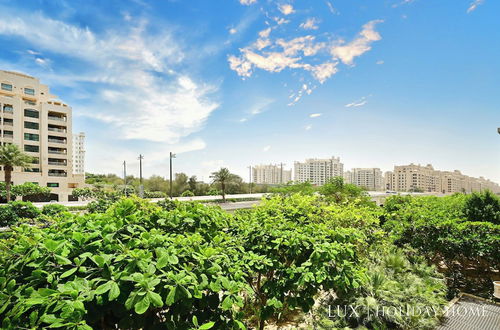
(250, 178)
(172, 155)
(125, 176)
(141, 187)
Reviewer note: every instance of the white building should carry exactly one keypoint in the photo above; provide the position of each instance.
(79, 153)
(318, 171)
(270, 174)
(368, 178)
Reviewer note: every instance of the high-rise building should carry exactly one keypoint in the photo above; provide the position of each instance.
(40, 125)
(270, 174)
(368, 178)
(79, 153)
(318, 171)
(426, 179)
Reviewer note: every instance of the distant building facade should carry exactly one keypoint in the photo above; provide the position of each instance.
(426, 179)
(270, 174)
(79, 153)
(318, 171)
(368, 178)
(40, 125)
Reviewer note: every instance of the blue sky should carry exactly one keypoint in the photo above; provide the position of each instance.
(241, 82)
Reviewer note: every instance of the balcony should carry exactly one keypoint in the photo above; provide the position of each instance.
(58, 173)
(57, 162)
(8, 135)
(57, 151)
(56, 129)
(55, 140)
(8, 123)
(8, 109)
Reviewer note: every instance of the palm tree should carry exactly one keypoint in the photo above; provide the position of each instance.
(10, 157)
(223, 177)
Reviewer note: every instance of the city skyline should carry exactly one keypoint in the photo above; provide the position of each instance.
(233, 84)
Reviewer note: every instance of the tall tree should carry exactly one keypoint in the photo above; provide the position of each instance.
(11, 156)
(223, 177)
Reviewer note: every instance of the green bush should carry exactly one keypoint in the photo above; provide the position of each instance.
(7, 216)
(53, 209)
(483, 206)
(187, 193)
(399, 292)
(123, 268)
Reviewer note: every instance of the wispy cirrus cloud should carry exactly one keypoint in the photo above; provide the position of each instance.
(315, 115)
(248, 2)
(473, 6)
(144, 97)
(358, 103)
(346, 52)
(310, 24)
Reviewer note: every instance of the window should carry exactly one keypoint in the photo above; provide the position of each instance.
(32, 169)
(8, 108)
(29, 102)
(9, 134)
(7, 87)
(8, 122)
(31, 113)
(31, 125)
(31, 137)
(30, 148)
(29, 91)
(36, 183)
(35, 160)
(52, 184)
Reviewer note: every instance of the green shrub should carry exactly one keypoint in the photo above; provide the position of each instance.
(394, 283)
(25, 209)
(187, 193)
(53, 209)
(7, 216)
(123, 268)
(483, 206)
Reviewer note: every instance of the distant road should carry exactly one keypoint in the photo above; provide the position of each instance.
(155, 200)
(377, 196)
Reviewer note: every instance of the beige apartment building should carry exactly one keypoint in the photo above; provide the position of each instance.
(270, 174)
(426, 179)
(369, 178)
(40, 125)
(318, 171)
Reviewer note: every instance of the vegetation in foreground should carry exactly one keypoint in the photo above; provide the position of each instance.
(187, 266)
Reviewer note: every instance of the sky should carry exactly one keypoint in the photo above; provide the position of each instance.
(234, 83)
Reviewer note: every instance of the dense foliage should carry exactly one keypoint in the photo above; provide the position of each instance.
(132, 264)
(441, 229)
(12, 212)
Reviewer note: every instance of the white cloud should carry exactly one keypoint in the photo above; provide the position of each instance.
(308, 127)
(322, 72)
(474, 5)
(143, 97)
(260, 106)
(357, 103)
(286, 9)
(315, 115)
(233, 31)
(332, 9)
(310, 24)
(380, 62)
(248, 2)
(266, 148)
(357, 47)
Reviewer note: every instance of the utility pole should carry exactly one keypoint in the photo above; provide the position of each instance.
(250, 178)
(141, 187)
(172, 155)
(125, 176)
